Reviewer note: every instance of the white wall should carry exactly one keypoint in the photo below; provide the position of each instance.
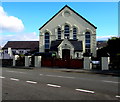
(7, 56)
(105, 63)
(1, 55)
(80, 55)
(73, 20)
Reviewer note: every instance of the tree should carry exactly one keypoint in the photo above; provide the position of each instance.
(103, 52)
(113, 47)
(113, 50)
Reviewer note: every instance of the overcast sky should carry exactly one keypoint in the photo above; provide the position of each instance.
(21, 20)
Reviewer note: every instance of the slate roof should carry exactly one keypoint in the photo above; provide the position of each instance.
(71, 10)
(101, 44)
(22, 45)
(77, 45)
(55, 44)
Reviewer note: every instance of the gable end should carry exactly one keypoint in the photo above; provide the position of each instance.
(71, 10)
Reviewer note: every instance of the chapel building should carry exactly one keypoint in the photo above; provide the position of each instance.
(68, 34)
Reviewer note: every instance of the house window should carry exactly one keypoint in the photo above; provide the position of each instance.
(47, 40)
(13, 51)
(21, 52)
(59, 33)
(87, 41)
(74, 33)
(67, 31)
(77, 55)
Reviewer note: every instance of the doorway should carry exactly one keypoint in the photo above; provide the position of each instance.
(65, 54)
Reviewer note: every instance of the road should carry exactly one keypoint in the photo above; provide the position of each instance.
(53, 84)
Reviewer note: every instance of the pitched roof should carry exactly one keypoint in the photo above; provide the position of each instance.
(71, 10)
(55, 44)
(22, 45)
(101, 44)
(77, 45)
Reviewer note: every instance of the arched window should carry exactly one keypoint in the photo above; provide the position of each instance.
(59, 33)
(87, 41)
(74, 33)
(47, 40)
(67, 31)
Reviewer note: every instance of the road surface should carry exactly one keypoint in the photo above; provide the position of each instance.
(52, 84)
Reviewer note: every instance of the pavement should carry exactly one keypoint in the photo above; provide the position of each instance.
(92, 71)
(103, 72)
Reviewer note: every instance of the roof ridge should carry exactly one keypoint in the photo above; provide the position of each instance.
(21, 44)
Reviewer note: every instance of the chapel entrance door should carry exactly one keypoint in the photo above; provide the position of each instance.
(65, 54)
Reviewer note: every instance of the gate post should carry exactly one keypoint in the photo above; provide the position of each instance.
(87, 64)
(37, 61)
(105, 63)
(14, 62)
(27, 61)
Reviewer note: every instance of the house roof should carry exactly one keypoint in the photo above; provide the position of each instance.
(71, 10)
(101, 44)
(77, 45)
(22, 45)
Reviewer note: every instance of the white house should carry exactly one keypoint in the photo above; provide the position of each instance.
(68, 34)
(18, 47)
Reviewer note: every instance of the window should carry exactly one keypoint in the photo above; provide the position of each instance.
(74, 33)
(87, 35)
(77, 54)
(13, 52)
(21, 52)
(66, 31)
(59, 33)
(87, 41)
(47, 40)
(87, 46)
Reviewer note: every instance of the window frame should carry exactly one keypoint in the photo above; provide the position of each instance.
(67, 31)
(47, 40)
(87, 41)
(74, 33)
(59, 33)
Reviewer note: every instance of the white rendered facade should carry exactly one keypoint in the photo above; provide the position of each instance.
(67, 16)
(6, 55)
